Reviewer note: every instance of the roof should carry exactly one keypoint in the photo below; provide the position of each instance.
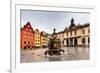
(27, 26)
(78, 26)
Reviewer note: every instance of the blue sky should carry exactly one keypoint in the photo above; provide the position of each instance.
(47, 20)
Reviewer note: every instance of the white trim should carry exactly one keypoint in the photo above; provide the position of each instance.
(15, 62)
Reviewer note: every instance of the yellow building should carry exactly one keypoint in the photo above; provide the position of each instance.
(44, 39)
(37, 38)
(75, 35)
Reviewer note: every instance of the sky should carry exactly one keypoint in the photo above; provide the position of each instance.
(48, 20)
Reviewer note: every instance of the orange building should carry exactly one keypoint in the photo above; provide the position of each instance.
(27, 36)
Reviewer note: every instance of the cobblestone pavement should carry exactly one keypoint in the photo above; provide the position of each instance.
(71, 54)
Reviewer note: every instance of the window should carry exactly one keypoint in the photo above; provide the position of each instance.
(28, 46)
(71, 33)
(67, 42)
(24, 42)
(62, 35)
(88, 30)
(67, 34)
(75, 32)
(24, 37)
(83, 31)
(88, 40)
(63, 42)
(30, 30)
(28, 42)
(26, 29)
(28, 25)
(83, 40)
(28, 36)
(25, 47)
(32, 46)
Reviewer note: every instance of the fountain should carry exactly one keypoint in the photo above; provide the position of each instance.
(54, 45)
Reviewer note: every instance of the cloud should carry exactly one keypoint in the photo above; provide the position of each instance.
(47, 20)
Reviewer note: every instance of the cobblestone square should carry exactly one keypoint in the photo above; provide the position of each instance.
(71, 54)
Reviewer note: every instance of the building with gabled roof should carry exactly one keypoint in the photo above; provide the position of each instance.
(27, 36)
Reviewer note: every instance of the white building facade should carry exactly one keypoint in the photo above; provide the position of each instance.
(75, 35)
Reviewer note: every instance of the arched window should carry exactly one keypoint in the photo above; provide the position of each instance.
(28, 42)
(24, 42)
(25, 47)
(88, 39)
(32, 46)
(83, 40)
(75, 41)
(67, 42)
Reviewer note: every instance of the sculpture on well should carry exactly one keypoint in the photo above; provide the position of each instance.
(54, 45)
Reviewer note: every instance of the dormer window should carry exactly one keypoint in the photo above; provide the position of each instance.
(28, 25)
(26, 29)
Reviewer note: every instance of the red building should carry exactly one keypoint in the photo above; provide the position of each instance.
(27, 36)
